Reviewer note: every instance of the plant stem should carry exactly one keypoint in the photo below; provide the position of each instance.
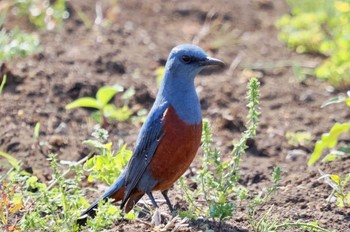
(298, 225)
(68, 170)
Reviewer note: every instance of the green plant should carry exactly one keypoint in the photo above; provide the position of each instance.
(105, 111)
(36, 132)
(330, 139)
(338, 188)
(57, 206)
(218, 181)
(3, 82)
(27, 204)
(12, 160)
(321, 27)
(10, 203)
(16, 43)
(301, 138)
(217, 178)
(108, 164)
(267, 223)
(43, 14)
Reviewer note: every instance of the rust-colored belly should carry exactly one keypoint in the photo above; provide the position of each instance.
(176, 151)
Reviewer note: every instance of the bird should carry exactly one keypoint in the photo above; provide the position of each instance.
(169, 138)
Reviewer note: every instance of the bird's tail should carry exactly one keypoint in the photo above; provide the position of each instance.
(115, 191)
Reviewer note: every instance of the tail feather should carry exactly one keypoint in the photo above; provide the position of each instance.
(115, 191)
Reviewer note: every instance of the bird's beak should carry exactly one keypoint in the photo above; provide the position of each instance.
(211, 61)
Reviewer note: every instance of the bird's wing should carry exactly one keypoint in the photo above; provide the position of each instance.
(146, 145)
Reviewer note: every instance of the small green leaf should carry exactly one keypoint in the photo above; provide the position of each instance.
(221, 211)
(84, 102)
(128, 94)
(336, 179)
(333, 156)
(94, 144)
(4, 77)
(120, 114)
(333, 100)
(36, 131)
(32, 181)
(12, 160)
(131, 216)
(347, 101)
(345, 149)
(105, 93)
(328, 140)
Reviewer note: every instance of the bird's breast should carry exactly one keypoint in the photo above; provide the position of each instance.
(176, 150)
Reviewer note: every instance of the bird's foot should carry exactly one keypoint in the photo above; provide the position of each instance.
(156, 218)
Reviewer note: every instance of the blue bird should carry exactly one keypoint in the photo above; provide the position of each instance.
(169, 138)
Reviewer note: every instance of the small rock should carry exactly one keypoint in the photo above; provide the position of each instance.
(294, 154)
(56, 140)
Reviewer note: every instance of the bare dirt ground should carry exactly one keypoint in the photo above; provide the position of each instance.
(75, 61)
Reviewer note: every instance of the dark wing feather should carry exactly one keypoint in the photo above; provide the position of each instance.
(146, 145)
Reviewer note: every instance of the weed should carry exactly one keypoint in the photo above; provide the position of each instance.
(217, 179)
(56, 206)
(27, 204)
(338, 188)
(12, 160)
(301, 138)
(43, 14)
(36, 132)
(105, 111)
(16, 43)
(10, 203)
(108, 164)
(321, 27)
(3, 82)
(330, 139)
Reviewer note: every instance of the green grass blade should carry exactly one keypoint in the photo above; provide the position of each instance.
(4, 77)
(328, 140)
(105, 93)
(12, 160)
(84, 102)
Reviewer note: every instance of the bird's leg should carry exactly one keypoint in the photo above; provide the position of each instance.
(156, 218)
(165, 195)
(154, 203)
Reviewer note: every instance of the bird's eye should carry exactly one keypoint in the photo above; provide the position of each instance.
(186, 59)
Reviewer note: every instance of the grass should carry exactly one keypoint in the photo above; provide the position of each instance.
(27, 204)
(3, 82)
(320, 27)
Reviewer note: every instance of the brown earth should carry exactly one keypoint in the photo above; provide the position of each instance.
(75, 61)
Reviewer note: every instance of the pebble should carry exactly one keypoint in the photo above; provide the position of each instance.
(56, 140)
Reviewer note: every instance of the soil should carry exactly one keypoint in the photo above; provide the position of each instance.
(75, 61)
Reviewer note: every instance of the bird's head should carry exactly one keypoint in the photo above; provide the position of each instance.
(187, 60)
